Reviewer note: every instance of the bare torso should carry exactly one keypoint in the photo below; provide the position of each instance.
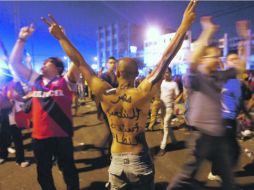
(126, 110)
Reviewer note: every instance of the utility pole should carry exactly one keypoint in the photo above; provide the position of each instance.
(16, 17)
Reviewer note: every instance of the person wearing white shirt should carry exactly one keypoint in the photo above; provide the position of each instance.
(169, 92)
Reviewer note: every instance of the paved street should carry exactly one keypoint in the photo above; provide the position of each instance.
(92, 167)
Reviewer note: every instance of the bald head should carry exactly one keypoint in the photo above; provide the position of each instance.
(127, 68)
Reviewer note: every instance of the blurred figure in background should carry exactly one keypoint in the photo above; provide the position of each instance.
(79, 94)
(110, 77)
(155, 107)
(232, 99)
(17, 120)
(169, 92)
(5, 109)
(205, 84)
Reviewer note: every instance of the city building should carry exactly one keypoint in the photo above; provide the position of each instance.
(155, 46)
(121, 40)
(118, 40)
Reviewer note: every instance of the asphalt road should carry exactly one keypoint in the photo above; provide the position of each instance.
(92, 167)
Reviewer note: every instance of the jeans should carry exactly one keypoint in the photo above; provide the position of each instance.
(131, 171)
(62, 149)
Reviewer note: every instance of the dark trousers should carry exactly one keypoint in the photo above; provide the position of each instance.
(16, 137)
(233, 145)
(9, 133)
(4, 136)
(62, 149)
(207, 147)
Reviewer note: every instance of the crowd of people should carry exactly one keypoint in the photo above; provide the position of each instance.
(44, 102)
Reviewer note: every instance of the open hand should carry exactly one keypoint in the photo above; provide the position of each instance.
(242, 28)
(207, 23)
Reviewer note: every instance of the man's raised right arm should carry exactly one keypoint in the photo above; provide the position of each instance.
(15, 59)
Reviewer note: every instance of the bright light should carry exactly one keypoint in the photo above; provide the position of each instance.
(152, 32)
(3, 62)
(95, 58)
(94, 67)
(65, 57)
(133, 49)
(4, 59)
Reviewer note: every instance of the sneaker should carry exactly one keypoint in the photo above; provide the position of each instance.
(212, 177)
(11, 150)
(107, 185)
(23, 164)
(162, 152)
(246, 133)
(2, 160)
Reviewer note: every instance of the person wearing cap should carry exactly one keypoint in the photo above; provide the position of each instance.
(51, 99)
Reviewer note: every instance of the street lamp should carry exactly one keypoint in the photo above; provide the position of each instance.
(152, 32)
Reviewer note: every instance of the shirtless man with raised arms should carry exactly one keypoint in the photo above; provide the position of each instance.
(127, 107)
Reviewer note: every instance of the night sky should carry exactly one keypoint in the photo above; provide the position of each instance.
(81, 19)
